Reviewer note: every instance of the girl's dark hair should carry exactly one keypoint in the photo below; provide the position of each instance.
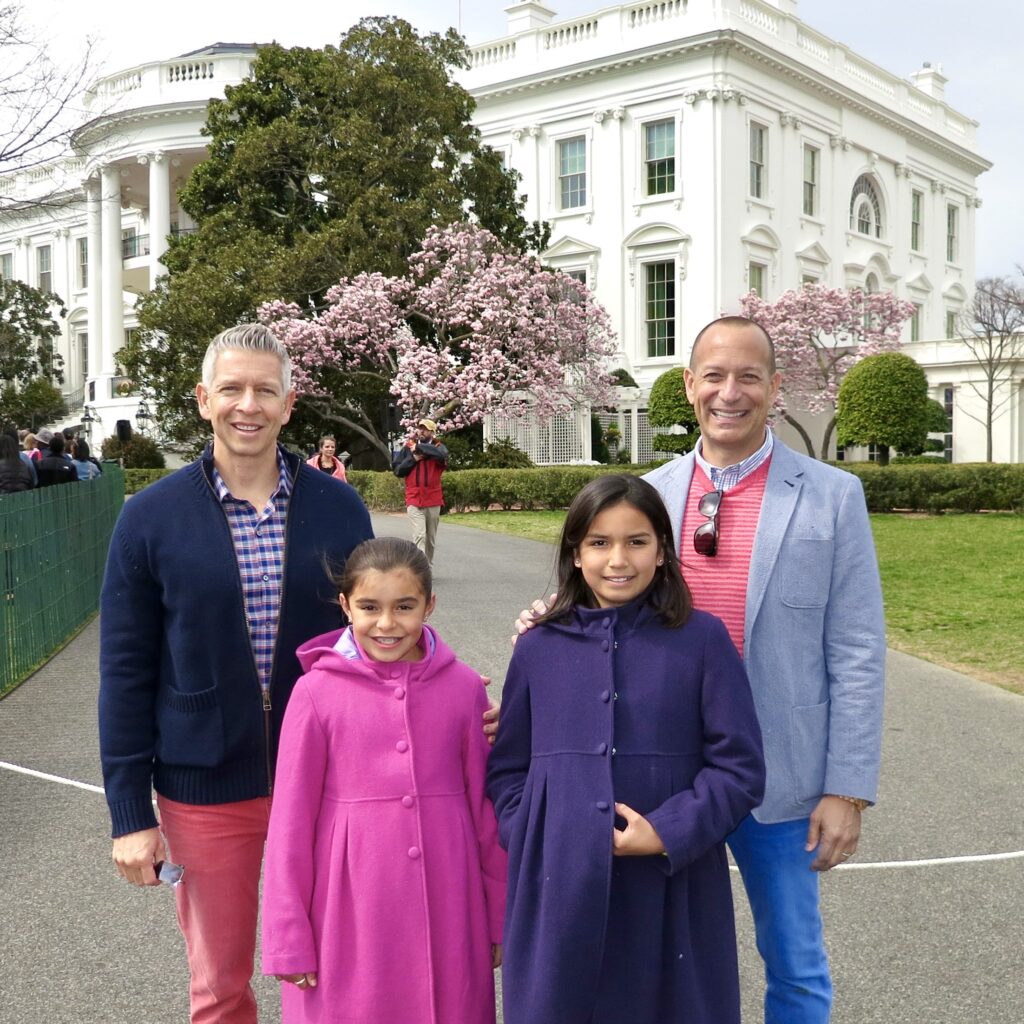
(669, 595)
(385, 554)
(80, 449)
(8, 449)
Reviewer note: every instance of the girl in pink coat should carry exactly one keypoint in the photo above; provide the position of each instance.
(384, 884)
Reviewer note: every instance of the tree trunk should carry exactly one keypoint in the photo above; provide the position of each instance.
(800, 430)
(829, 427)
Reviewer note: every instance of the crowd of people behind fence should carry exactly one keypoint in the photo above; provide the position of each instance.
(30, 460)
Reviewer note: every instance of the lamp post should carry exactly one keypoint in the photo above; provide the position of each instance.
(143, 415)
(87, 421)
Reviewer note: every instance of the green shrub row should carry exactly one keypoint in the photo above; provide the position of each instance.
(538, 488)
(946, 487)
(136, 479)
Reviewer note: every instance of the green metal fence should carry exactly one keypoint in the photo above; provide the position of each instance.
(53, 545)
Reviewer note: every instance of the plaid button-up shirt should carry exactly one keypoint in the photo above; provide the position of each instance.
(258, 537)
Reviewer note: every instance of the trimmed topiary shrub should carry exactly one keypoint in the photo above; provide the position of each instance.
(139, 452)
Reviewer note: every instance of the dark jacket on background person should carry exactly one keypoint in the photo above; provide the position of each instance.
(14, 476)
(423, 477)
(180, 706)
(56, 468)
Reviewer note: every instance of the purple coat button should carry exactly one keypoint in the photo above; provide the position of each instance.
(399, 693)
(606, 696)
(407, 801)
(401, 746)
(602, 805)
(414, 853)
(602, 748)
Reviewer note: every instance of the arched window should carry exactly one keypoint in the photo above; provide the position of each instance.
(865, 209)
(871, 284)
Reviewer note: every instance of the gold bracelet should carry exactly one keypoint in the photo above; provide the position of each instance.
(858, 801)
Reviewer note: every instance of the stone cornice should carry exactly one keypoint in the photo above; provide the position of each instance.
(733, 41)
(101, 128)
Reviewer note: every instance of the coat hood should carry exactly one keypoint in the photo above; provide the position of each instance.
(340, 651)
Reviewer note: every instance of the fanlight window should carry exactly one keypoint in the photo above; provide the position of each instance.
(865, 209)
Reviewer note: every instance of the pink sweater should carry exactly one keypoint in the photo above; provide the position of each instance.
(719, 583)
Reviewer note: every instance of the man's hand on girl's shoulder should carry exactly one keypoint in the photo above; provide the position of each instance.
(528, 617)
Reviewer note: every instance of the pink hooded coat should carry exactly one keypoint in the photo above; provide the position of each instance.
(383, 872)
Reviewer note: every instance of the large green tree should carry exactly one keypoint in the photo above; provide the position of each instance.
(323, 164)
(28, 363)
(883, 400)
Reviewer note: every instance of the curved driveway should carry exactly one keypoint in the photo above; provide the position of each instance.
(938, 943)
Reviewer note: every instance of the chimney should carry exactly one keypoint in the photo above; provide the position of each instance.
(524, 15)
(931, 81)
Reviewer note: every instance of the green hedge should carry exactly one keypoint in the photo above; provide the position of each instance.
(946, 487)
(136, 479)
(542, 487)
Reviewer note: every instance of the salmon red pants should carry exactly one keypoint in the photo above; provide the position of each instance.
(221, 848)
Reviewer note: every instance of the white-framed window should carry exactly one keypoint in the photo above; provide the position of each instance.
(660, 157)
(808, 279)
(44, 268)
(82, 338)
(6, 266)
(916, 220)
(572, 172)
(577, 274)
(812, 160)
(950, 323)
(947, 441)
(915, 322)
(82, 257)
(865, 208)
(758, 160)
(660, 308)
(755, 278)
(952, 233)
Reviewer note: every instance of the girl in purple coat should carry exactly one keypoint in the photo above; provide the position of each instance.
(384, 883)
(627, 750)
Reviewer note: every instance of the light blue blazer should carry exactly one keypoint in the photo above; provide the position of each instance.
(814, 637)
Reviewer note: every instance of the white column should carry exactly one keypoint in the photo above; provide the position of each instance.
(92, 194)
(159, 212)
(111, 269)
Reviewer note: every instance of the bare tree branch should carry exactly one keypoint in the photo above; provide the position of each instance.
(992, 331)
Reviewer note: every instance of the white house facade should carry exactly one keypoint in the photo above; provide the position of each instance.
(96, 223)
(683, 152)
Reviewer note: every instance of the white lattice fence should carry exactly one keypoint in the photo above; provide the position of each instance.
(559, 441)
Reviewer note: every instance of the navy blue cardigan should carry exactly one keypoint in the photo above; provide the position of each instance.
(180, 705)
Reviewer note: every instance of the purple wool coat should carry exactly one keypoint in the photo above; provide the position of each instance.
(614, 707)
(383, 870)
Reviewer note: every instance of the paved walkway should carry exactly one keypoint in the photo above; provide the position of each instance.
(926, 927)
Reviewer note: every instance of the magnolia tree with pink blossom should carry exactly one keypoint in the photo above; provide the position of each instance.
(819, 333)
(473, 327)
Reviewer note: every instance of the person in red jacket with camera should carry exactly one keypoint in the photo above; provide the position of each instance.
(420, 462)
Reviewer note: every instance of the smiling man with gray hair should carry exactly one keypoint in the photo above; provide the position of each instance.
(215, 576)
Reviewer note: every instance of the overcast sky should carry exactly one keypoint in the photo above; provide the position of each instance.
(975, 44)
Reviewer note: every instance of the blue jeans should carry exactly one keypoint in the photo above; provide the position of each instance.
(783, 895)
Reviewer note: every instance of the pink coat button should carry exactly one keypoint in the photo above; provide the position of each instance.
(399, 693)
(401, 746)
(407, 801)
(414, 853)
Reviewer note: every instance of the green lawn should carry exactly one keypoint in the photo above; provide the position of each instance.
(954, 585)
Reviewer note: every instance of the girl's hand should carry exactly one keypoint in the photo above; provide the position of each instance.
(496, 956)
(307, 980)
(638, 838)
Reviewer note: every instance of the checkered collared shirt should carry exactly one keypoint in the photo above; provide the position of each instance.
(258, 538)
(729, 476)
